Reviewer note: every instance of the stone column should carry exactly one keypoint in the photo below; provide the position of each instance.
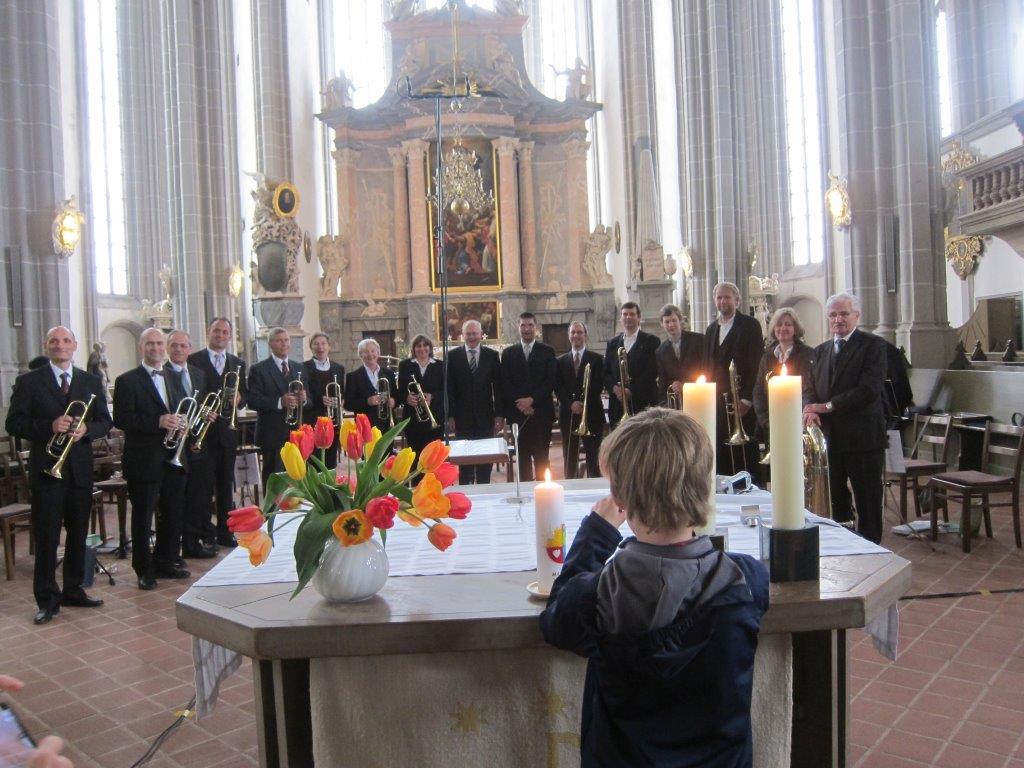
(270, 66)
(527, 220)
(403, 277)
(981, 58)
(419, 228)
(576, 208)
(345, 160)
(34, 282)
(508, 209)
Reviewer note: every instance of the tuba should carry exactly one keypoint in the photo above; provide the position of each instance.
(817, 493)
(423, 412)
(60, 444)
(293, 415)
(625, 382)
(200, 426)
(228, 393)
(333, 391)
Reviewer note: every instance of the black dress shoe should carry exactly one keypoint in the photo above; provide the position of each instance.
(81, 601)
(198, 549)
(172, 573)
(179, 562)
(227, 541)
(43, 615)
(147, 583)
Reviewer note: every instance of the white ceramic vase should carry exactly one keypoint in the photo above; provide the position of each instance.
(351, 574)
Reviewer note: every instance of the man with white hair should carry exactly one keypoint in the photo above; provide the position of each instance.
(270, 383)
(474, 396)
(844, 395)
(38, 404)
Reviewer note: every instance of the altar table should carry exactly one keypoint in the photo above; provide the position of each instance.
(486, 614)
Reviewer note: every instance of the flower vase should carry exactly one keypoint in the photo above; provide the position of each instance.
(351, 574)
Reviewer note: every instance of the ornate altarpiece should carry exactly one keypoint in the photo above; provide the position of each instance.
(378, 270)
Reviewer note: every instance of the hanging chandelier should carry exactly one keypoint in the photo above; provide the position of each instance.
(463, 181)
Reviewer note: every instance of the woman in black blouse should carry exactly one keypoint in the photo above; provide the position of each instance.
(430, 375)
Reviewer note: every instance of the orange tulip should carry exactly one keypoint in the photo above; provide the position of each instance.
(441, 536)
(303, 439)
(447, 473)
(460, 505)
(432, 455)
(245, 520)
(428, 500)
(259, 545)
(352, 528)
(323, 433)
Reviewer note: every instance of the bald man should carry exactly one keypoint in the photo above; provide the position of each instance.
(38, 403)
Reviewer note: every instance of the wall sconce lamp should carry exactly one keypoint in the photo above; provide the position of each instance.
(837, 200)
(235, 278)
(67, 229)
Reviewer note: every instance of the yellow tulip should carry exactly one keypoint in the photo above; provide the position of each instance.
(375, 434)
(294, 464)
(397, 467)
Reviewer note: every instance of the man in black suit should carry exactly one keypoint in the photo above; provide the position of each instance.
(680, 357)
(641, 362)
(733, 337)
(213, 474)
(321, 371)
(364, 385)
(844, 395)
(527, 384)
(270, 381)
(569, 374)
(187, 380)
(36, 414)
(145, 400)
(474, 396)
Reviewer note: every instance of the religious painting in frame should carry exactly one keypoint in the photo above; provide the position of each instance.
(487, 312)
(472, 241)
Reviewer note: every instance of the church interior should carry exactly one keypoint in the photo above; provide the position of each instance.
(216, 209)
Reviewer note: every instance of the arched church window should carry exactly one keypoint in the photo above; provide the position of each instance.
(103, 172)
(806, 176)
(668, 126)
(945, 83)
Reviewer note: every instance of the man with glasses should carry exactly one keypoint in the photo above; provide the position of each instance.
(844, 395)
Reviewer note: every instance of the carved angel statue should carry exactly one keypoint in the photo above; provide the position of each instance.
(332, 252)
(165, 305)
(596, 247)
(578, 86)
(374, 308)
(97, 365)
(402, 8)
(501, 61)
(338, 92)
(509, 8)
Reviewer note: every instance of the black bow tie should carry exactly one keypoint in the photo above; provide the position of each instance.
(156, 373)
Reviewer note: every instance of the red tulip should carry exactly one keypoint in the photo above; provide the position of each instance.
(342, 480)
(364, 427)
(447, 473)
(245, 520)
(460, 505)
(381, 511)
(354, 446)
(323, 433)
(303, 439)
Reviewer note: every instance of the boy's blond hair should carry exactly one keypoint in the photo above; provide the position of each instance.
(659, 465)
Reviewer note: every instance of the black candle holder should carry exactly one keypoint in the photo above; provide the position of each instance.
(794, 554)
(719, 541)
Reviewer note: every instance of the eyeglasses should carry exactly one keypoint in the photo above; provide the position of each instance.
(834, 315)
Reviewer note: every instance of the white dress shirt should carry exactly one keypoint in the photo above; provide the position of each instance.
(373, 375)
(58, 372)
(160, 383)
(629, 341)
(322, 365)
(724, 328)
(218, 360)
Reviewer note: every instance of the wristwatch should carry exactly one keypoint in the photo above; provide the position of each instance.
(828, 407)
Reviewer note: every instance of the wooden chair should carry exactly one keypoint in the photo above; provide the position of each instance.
(934, 430)
(964, 486)
(16, 514)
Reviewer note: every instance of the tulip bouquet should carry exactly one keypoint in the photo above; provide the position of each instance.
(351, 506)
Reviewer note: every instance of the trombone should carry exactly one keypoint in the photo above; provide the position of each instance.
(384, 412)
(200, 425)
(59, 446)
(581, 431)
(333, 391)
(738, 435)
(625, 382)
(174, 439)
(293, 414)
(423, 412)
(228, 394)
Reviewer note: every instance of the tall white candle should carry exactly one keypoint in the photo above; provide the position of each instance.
(699, 402)
(549, 503)
(785, 423)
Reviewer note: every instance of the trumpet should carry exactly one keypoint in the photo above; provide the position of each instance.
(293, 414)
(333, 391)
(200, 425)
(228, 394)
(625, 383)
(174, 439)
(59, 446)
(384, 412)
(423, 412)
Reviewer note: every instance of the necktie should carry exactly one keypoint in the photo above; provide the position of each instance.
(219, 363)
(526, 351)
(576, 362)
(64, 385)
(839, 346)
(472, 360)
(186, 382)
(284, 368)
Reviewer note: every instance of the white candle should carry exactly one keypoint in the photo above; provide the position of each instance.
(549, 504)
(785, 423)
(700, 403)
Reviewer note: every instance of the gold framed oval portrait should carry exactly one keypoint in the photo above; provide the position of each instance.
(286, 200)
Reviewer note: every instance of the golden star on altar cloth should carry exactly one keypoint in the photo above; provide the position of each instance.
(469, 717)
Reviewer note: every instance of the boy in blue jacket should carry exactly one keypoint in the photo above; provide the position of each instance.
(668, 623)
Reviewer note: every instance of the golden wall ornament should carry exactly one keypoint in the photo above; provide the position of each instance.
(67, 228)
(959, 159)
(963, 252)
(837, 201)
(286, 200)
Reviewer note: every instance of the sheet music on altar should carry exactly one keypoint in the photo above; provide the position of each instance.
(499, 537)
(490, 446)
